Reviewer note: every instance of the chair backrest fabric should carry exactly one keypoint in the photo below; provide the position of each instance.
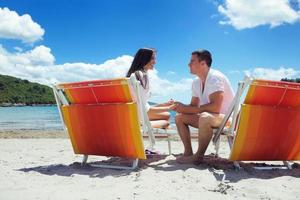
(102, 118)
(269, 125)
(98, 91)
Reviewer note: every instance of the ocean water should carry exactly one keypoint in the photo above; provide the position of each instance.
(30, 117)
(33, 118)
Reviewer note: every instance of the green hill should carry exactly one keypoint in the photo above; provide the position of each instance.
(17, 91)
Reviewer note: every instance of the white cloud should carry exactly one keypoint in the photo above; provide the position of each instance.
(38, 65)
(164, 87)
(18, 49)
(171, 73)
(234, 72)
(40, 55)
(14, 26)
(242, 14)
(273, 74)
(215, 2)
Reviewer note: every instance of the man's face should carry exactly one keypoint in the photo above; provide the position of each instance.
(195, 64)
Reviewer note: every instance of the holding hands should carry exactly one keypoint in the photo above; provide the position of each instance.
(170, 102)
(175, 105)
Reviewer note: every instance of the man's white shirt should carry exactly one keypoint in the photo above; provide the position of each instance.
(215, 81)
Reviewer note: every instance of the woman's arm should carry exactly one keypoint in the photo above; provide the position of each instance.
(161, 108)
(168, 103)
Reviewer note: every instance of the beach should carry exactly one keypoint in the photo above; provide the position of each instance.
(42, 165)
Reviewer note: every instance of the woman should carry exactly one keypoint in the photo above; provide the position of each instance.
(143, 61)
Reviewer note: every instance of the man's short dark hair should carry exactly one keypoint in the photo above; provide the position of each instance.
(205, 55)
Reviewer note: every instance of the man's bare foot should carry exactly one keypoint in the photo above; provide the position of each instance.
(184, 159)
(193, 159)
(198, 159)
(187, 153)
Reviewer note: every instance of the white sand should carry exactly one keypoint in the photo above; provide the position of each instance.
(48, 169)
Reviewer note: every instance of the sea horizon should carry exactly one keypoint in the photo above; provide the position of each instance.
(35, 117)
(30, 118)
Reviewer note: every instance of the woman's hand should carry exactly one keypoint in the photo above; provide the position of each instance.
(170, 102)
(180, 107)
(172, 107)
(177, 106)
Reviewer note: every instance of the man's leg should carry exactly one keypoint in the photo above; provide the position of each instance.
(182, 122)
(207, 122)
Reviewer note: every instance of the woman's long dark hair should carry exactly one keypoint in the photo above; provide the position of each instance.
(141, 58)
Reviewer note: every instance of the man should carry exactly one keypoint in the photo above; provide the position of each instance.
(211, 97)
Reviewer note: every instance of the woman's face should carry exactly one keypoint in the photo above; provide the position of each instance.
(151, 63)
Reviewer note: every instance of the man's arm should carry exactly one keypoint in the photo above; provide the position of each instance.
(216, 100)
(192, 108)
(214, 106)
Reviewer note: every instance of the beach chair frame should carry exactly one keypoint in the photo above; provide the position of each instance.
(61, 100)
(153, 133)
(222, 129)
(233, 111)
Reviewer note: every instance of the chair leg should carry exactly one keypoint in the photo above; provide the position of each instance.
(217, 146)
(236, 165)
(230, 141)
(169, 144)
(84, 160)
(135, 164)
(287, 164)
(151, 138)
(132, 167)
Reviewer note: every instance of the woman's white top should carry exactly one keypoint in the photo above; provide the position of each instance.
(144, 87)
(215, 81)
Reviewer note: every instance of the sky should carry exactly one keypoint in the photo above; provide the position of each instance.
(54, 41)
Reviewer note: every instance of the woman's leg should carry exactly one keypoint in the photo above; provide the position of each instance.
(159, 119)
(160, 123)
(158, 115)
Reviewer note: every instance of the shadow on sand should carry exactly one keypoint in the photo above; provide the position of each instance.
(221, 169)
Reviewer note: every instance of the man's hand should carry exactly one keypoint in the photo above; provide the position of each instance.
(172, 106)
(178, 107)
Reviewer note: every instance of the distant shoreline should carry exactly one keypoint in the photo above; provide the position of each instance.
(23, 104)
(21, 134)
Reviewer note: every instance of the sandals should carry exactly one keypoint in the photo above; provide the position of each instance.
(151, 152)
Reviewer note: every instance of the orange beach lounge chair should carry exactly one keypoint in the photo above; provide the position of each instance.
(101, 118)
(105, 118)
(267, 127)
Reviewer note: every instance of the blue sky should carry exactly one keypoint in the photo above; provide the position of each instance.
(71, 40)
